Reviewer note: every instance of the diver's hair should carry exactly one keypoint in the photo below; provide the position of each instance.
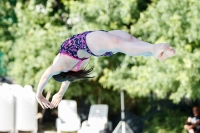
(73, 76)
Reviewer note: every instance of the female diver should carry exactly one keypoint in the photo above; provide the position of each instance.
(75, 52)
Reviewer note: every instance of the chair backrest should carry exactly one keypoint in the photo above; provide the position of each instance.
(98, 115)
(7, 109)
(26, 110)
(5, 86)
(16, 89)
(28, 88)
(67, 110)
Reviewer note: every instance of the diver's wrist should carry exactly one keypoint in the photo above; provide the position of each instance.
(60, 93)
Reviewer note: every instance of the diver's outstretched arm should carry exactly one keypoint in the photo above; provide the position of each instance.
(42, 83)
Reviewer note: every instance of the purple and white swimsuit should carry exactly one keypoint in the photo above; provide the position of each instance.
(77, 42)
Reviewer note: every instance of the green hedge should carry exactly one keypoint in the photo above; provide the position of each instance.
(167, 121)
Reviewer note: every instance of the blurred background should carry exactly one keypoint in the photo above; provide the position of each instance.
(158, 95)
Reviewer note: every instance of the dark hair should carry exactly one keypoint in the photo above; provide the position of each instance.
(195, 106)
(73, 76)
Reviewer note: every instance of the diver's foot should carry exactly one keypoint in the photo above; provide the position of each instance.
(163, 51)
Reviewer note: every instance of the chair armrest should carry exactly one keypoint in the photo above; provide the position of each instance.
(58, 122)
(85, 124)
(109, 125)
(77, 120)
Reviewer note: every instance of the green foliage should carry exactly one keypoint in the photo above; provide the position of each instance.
(31, 33)
(2, 66)
(104, 14)
(168, 121)
(7, 18)
(41, 28)
(163, 21)
(38, 34)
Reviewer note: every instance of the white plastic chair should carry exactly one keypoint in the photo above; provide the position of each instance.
(7, 110)
(16, 89)
(5, 86)
(97, 119)
(28, 88)
(26, 110)
(68, 119)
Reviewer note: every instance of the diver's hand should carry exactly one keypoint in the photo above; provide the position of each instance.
(43, 101)
(56, 99)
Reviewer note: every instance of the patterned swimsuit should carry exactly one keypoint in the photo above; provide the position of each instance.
(77, 42)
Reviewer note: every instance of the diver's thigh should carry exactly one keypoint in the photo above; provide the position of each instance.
(100, 42)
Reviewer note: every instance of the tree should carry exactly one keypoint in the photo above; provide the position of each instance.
(163, 21)
(41, 27)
